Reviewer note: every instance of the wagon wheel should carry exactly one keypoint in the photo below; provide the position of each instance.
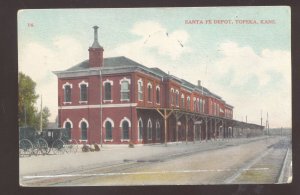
(69, 146)
(74, 145)
(43, 146)
(58, 147)
(25, 147)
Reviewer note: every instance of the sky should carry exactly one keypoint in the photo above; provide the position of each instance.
(242, 54)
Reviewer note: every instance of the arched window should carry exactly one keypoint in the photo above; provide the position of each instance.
(200, 105)
(182, 101)
(195, 105)
(177, 98)
(157, 95)
(67, 93)
(107, 91)
(125, 90)
(68, 127)
(149, 92)
(125, 130)
(83, 92)
(158, 130)
(149, 130)
(188, 103)
(108, 130)
(140, 89)
(83, 127)
(140, 128)
(172, 96)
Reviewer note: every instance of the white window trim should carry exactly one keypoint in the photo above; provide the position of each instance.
(172, 90)
(176, 91)
(108, 101)
(108, 81)
(182, 95)
(67, 103)
(67, 120)
(83, 102)
(138, 125)
(149, 84)
(83, 140)
(140, 82)
(83, 83)
(67, 84)
(83, 120)
(125, 140)
(157, 87)
(110, 120)
(125, 79)
(125, 119)
(149, 120)
(124, 100)
(108, 140)
(122, 80)
(157, 122)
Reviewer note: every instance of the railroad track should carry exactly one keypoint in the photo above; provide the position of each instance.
(119, 168)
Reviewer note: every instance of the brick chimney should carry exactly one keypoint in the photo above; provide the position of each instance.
(96, 51)
(199, 83)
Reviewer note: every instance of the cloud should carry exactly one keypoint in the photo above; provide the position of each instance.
(254, 81)
(38, 61)
(154, 39)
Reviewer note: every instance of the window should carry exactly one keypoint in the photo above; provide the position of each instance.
(203, 107)
(125, 90)
(172, 96)
(195, 105)
(83, 131)
(140, 128)
(182, 101)
(108, 130)
(68, 127)
(177, 98)
(200, 105)
(157, 95)
(125, 130)
(149, 130)
(149, 92)
(83, 92)
(158, 130)
(107, 91)
(188, 102)
(140, 90)
(67, 93)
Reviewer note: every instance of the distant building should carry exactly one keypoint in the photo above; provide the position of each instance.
(119, 100)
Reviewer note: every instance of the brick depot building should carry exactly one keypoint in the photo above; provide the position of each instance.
(116, 101)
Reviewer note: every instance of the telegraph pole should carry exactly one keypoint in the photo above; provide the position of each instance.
(41, 115)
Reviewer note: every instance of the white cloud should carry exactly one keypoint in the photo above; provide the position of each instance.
(38, 61)
(272, 93)
(154, 37)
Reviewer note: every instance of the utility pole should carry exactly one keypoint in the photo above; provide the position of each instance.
(41, 115)
(25, 112)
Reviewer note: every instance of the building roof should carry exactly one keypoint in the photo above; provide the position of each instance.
(110, 64)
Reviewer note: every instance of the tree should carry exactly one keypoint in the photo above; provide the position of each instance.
(45, 116)
(27, 99)
(28, 113)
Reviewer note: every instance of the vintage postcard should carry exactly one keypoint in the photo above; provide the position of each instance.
(155, 96)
